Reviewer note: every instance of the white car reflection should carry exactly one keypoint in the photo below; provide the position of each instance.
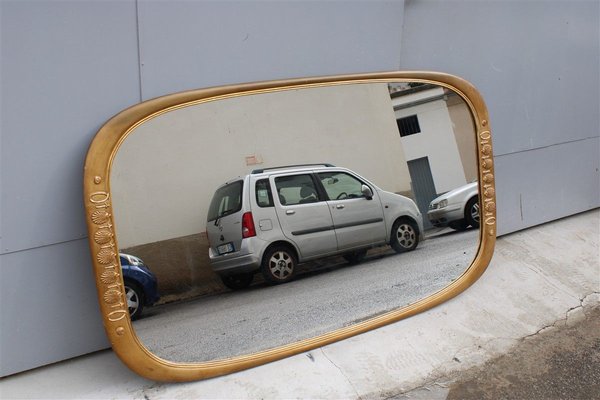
(458, 208)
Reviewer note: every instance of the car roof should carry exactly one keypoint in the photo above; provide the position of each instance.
(284, 169)
(292, 168)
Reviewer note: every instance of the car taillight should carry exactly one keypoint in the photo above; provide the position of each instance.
(248, 229)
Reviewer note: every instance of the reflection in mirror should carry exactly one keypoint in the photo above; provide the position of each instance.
(378, 210)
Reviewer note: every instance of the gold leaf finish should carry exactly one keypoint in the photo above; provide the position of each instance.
(109, 277)
(103, 236)
(106, 256)
(112, 296)
(100, 217)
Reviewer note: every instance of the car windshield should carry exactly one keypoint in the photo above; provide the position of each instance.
(227, 200)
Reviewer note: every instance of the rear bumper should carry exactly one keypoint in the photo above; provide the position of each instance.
(247, 259)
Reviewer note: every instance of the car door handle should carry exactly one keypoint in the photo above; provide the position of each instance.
(290, 212)
(339, 206)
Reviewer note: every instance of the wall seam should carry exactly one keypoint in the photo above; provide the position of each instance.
(42, 246)
(545, 147)
(401, 35)
(139, 47)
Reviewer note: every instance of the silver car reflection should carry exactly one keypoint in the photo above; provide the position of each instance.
(458, 208)
(275, 218)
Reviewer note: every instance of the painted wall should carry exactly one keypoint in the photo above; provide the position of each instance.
(166, 171)
(537, 65)
(68, 66)
(65, 67)
(436, 141)
(462, 124)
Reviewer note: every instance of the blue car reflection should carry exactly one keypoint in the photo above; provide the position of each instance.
(141, 286)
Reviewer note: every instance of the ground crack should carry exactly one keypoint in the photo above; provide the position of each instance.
(437, 377)
(562, 320)
(147, 389)
(342, 372)
(594, 293)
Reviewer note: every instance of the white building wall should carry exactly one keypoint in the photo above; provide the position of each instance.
(166, 171)
(436, 141)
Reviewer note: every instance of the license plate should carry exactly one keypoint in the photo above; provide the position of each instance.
(225, 248)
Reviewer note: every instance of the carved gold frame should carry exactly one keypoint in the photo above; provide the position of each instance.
(104, 248)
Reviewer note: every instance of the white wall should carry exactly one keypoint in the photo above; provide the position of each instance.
(166, 171)
(436, 141)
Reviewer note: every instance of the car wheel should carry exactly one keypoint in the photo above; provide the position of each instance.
(237, 281)
(355, 257)
(472, 212)
(135, 299)
(459, 225)
(405, 235)
(279, 265)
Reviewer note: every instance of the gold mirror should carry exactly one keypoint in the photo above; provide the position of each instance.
(238, 225)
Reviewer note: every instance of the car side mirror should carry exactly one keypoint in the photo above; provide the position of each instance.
(367, 192)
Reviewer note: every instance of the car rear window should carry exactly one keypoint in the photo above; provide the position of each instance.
(264, 197)
(227, 200)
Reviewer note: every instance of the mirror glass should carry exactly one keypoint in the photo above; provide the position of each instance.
(376, 209)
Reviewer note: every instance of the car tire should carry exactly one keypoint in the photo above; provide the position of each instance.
(237, 281)
(404, 236)
(472, 212)
(135, 299)
(459, 225)
(355, 257)
(279, 265)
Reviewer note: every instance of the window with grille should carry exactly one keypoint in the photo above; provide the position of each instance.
(408, 125)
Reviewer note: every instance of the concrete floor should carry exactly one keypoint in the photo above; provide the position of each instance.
(559, 363)
(540, 278)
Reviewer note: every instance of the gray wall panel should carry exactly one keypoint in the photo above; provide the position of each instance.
(536, 63)
(185, 45)
(66, 67)
(534, 188)
(48, 307)
(537, 66)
